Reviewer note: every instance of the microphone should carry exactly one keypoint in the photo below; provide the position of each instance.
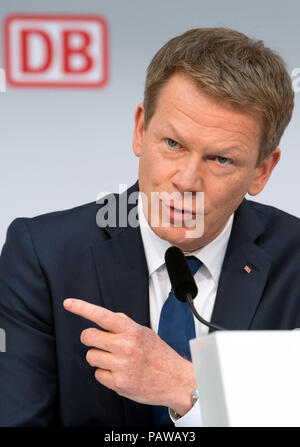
(183, 282)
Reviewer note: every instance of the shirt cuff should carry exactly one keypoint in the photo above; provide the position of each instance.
(192, 418)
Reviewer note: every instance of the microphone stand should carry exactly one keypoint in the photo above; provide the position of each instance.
(189, 299)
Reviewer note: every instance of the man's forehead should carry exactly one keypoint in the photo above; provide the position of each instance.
(181, 104)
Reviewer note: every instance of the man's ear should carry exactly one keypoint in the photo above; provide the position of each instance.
(263, 172)
(139, 129)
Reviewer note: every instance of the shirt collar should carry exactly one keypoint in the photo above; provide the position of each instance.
(212, 254)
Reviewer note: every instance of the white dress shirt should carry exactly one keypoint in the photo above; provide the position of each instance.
(207, 279)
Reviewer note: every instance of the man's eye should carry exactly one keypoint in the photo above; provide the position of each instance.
(172, 143)
(223, 160)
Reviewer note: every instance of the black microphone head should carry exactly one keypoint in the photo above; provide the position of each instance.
(180, 275)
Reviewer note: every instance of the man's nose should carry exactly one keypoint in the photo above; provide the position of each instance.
(189, 175)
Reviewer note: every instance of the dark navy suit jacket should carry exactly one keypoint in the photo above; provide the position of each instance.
(44, 377)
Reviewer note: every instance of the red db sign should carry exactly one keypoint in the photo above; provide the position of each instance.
(56, 51)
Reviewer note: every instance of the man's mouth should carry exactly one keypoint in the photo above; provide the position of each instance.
(179, 215)
(183, 211)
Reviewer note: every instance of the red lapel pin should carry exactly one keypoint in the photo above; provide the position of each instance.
(247, 269)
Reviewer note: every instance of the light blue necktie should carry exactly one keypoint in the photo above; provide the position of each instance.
(176, 327)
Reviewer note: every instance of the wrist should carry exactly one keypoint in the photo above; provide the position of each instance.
(183, 397)
(195, 397)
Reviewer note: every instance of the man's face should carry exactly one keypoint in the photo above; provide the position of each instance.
(195, 144)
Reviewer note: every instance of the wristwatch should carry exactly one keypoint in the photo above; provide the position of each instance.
(195, 396)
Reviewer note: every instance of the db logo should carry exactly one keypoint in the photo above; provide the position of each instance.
(56, 51)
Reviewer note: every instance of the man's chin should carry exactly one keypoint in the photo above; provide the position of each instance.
(187, 239)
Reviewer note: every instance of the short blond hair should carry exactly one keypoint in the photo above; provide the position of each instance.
(230, 67)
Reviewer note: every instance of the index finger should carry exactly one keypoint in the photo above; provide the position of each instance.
(108, 320)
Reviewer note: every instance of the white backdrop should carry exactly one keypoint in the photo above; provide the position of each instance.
(61, 147)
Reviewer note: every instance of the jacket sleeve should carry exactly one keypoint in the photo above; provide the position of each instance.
(28, 369)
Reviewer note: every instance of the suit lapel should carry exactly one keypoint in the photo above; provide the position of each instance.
(123, 282)
(240, 289)
(122, 274)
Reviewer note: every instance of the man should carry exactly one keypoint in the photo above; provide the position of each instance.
(82, 306)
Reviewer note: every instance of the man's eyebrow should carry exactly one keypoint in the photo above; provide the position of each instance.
(180, 139)
(170, 128)
(238, 149)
